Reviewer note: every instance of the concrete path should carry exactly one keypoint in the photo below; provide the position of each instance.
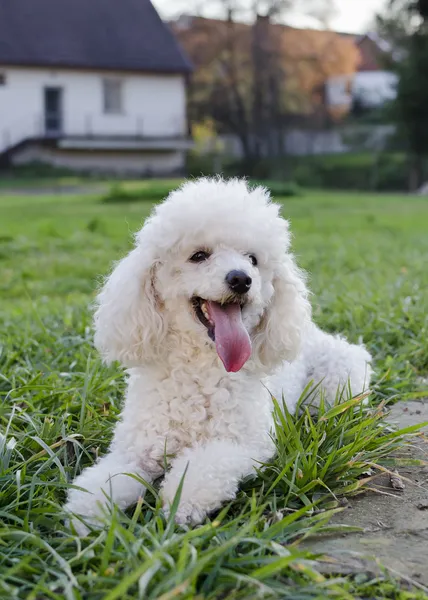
(395, 526)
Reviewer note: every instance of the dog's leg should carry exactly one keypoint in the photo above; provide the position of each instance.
(337, 364)
(327, 361)
(106, 482)
(210, 474)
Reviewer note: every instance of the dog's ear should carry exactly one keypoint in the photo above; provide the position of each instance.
(129, 321)
(278, 336)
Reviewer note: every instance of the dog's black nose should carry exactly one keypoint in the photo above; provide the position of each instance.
(238, 281)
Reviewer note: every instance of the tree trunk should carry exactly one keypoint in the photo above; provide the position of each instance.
(246, 147)
(416, 173)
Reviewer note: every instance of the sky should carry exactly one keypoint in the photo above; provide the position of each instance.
(354, 16)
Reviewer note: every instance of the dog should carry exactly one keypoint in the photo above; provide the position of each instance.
(210, 316)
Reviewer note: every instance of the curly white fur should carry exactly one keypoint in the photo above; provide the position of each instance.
(213, 426)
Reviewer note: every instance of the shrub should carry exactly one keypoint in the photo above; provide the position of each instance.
(385, 172)
(38, 170)
(353, 171)
(153, 191)
(280, 189)
(158, 190)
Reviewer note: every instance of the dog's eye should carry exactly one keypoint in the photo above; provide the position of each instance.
(253, 260)
(199, 256)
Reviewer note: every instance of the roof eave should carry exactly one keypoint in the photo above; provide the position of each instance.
(185, 70)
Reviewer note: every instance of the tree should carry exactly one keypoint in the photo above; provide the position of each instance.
(407, 24)
(396, 23)
(252, 73)
(239, 78)
(412, 102)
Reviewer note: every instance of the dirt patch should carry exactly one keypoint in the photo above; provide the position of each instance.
(394, 523)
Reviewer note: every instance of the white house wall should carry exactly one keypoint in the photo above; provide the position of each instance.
(153, 105)
(373, 88)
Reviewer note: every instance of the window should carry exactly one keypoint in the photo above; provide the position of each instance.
(2, 79)
(112, 96)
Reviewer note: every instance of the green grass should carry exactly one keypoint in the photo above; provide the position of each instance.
(135, 191)
(367, 259)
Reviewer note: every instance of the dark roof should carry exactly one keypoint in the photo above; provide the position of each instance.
(88, 34)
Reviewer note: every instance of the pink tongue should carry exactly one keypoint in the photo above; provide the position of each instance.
(231, 338)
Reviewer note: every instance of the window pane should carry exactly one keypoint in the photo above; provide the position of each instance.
(112, 96)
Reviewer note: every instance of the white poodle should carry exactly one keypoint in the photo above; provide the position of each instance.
(210, 315)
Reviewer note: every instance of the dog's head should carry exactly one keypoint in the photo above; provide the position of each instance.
(213, 263)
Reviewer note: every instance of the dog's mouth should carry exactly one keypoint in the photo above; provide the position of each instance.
(226, 328)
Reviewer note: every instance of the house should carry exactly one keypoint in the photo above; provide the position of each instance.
(371, 85)
(96, 85)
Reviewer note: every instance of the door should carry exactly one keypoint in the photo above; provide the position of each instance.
(53, 111)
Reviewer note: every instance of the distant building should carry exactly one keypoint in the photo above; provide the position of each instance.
(95, 85)
(324, 76)
(308, 57)
(371, 85)
(346, 66)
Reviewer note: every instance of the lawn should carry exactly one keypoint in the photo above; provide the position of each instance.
(366, 255)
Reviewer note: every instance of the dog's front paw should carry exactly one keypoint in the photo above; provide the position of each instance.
(191, 509)
(84, 513)
(78, 526)
(187, 513)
